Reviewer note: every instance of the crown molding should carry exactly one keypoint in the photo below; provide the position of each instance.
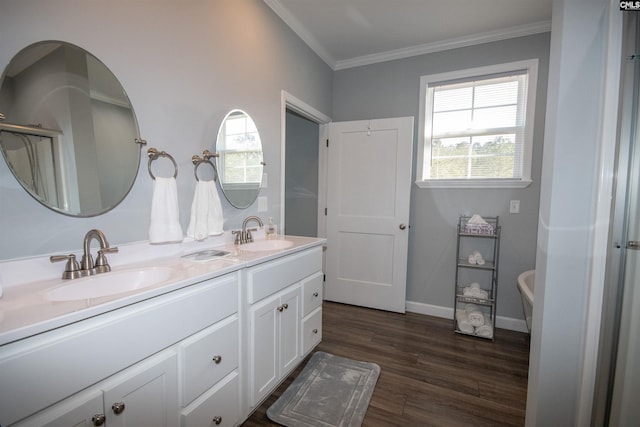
(293, 23)
(491, 36)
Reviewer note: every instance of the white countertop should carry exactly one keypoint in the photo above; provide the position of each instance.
(25, 310)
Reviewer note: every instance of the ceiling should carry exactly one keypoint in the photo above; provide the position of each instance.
(349, 33)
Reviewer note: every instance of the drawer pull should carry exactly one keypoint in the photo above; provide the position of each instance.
(118, 408)
(315, 331)
(98, 419)
(217, 359)
(217, 420)
(285, 305)
(280, 308)
(315, 294)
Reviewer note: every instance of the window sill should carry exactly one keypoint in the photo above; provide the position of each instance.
(479, 183)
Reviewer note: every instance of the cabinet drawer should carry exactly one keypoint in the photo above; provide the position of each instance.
(207, 357)
(312, 293)
(268, 278)
(217, 407)
(311, 331)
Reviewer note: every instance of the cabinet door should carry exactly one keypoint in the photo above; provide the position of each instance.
(289, 330)
(263, 350)
(144, 395)
(77, 411)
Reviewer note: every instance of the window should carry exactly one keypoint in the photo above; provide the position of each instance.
(476, 127)
(240, 151)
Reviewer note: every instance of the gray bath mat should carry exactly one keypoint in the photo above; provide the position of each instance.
(329, 391)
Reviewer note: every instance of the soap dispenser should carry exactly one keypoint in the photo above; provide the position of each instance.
(271, 231)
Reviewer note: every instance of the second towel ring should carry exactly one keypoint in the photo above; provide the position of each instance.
(206, 156)
(153, 154)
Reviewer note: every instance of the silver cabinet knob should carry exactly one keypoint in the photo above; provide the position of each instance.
(217, 359)
(402, 226)
(118, 408)
(315, 294)
(280, 308)
(285, 305)
(98, 419)
(217, 420)
(315, 331)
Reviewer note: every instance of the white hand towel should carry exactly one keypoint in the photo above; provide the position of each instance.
(206, 211)
(475, 316)
(463, 322)
(165, 224)
(485, 330)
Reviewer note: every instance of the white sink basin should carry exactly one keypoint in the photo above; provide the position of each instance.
(266, 245)
(111, 283)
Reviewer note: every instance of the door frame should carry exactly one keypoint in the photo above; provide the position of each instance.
(290, 102)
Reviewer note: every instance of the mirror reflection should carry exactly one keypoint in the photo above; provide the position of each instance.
(67, 131)
(240, 161)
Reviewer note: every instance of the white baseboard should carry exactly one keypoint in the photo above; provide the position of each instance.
(447, 313)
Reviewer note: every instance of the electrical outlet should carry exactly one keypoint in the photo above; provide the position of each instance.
(514, 206)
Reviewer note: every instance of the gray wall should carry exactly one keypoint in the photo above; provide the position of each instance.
(391, 89)
(301, 182)
(184, 65)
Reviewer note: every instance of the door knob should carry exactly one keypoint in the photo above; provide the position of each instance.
(402, 226)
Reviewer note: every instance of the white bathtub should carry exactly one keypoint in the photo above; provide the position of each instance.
(526, 282)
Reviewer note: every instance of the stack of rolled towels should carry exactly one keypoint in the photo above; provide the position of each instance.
(475, 291)
(472, 320)
(475, 258)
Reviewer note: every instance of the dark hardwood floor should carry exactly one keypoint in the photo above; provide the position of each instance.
(429, 375)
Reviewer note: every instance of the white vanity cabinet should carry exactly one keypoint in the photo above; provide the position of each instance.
(128, 365)
(277, 293)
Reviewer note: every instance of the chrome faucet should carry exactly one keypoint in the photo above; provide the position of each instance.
(73, 270)
(244, 235)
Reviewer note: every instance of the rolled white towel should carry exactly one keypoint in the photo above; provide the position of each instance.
(475, 285)
(486, 330)
(463, 322)
(472, 260)
(480, 261)
(475, 316)
(468, 292)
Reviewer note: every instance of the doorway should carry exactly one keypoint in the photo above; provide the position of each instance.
(301, 179)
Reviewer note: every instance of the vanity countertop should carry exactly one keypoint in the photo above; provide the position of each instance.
(25, 309)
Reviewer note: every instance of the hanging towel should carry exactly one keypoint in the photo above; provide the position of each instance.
(165, 224)
(206, 211)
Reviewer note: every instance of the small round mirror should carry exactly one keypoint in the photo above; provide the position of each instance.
(68, 131)
(239, 161)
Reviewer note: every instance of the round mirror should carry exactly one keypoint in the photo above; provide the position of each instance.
(239, 161)
(67, 129)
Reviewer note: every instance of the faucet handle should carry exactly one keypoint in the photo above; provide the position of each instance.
(238, 234)
(249, 237)
(72, 269)
(101, 265)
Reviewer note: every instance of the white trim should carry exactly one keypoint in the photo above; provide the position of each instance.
(474, 183)
(487, 37)
(509, 323)
(531, 65)
(604, 195)
(340, 64)
(288, 101)
(292, 22)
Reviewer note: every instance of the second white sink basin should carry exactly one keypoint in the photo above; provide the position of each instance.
(266, 245)
(111, 283)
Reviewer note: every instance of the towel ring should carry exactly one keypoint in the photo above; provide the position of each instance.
(206, 156)
(153, 154)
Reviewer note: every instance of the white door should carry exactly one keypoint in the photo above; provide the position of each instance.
(368, 188)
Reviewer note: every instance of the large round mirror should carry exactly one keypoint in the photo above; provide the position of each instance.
(239, 159)
(67, 130)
